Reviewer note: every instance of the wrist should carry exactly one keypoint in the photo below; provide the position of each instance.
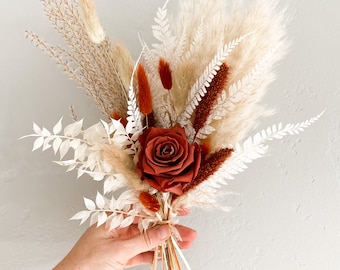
(70, 264)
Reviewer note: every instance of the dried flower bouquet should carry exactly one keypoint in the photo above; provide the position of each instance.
(177, 117)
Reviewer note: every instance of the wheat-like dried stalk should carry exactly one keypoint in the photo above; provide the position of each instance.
(102, 69)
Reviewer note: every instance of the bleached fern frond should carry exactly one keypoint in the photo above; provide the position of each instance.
(197, 40)
(207, 193)
(244, 154)
(278, 131)
(244, 87)
(204, 132)
(149, 57)
(134, 116)
(237, 91)
(177, 55)
(162, 33)
(161, 30)
(217, 113)
(199, 89)
(254, 147)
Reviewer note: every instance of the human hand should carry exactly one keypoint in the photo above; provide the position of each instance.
(121, 248)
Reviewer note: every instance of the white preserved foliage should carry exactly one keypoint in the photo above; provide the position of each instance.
(242, 89)
(134, 116)
(254, 147)
(197, 40)
(178, 50)
(122, 211)
(116, 212)
(87, 146)
(199, 89)
(162, 33)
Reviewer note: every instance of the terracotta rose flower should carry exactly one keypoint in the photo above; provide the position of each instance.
(167, 161)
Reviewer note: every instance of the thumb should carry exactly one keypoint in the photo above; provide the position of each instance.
(144, 242)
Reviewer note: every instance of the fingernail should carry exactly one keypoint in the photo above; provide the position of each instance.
(163, 232)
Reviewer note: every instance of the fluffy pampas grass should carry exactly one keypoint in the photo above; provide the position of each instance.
(91, 22)
(250, 63)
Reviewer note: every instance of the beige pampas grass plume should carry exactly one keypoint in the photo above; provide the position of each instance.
(123, 164)
(88, 15)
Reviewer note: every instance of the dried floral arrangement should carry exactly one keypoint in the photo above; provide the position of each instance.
(177, 117)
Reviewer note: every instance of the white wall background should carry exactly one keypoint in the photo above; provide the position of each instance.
(287, 213)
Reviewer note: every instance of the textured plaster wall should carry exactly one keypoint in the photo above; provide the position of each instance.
(287, 211)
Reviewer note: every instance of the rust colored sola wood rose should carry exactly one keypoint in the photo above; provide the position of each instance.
(167, 162)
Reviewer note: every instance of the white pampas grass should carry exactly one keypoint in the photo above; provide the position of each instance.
(94, 29)
(123, 164)
(202, 29)
(269, 39)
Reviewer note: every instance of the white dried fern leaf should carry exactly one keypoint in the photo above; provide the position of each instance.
(252, 148)
(178, 50)
(161, 30)
(149, 57)
(217, 113)
(278, 131)
(237, 91)
(199, 89)
(245, 87)
(134, 116)
(197, 40)
(162, 33)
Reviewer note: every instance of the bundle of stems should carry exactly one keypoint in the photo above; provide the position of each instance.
(166, 255)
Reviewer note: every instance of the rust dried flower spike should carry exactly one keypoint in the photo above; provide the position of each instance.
(150, 202)
(165, 74)
(178, 116)
(144, 91)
